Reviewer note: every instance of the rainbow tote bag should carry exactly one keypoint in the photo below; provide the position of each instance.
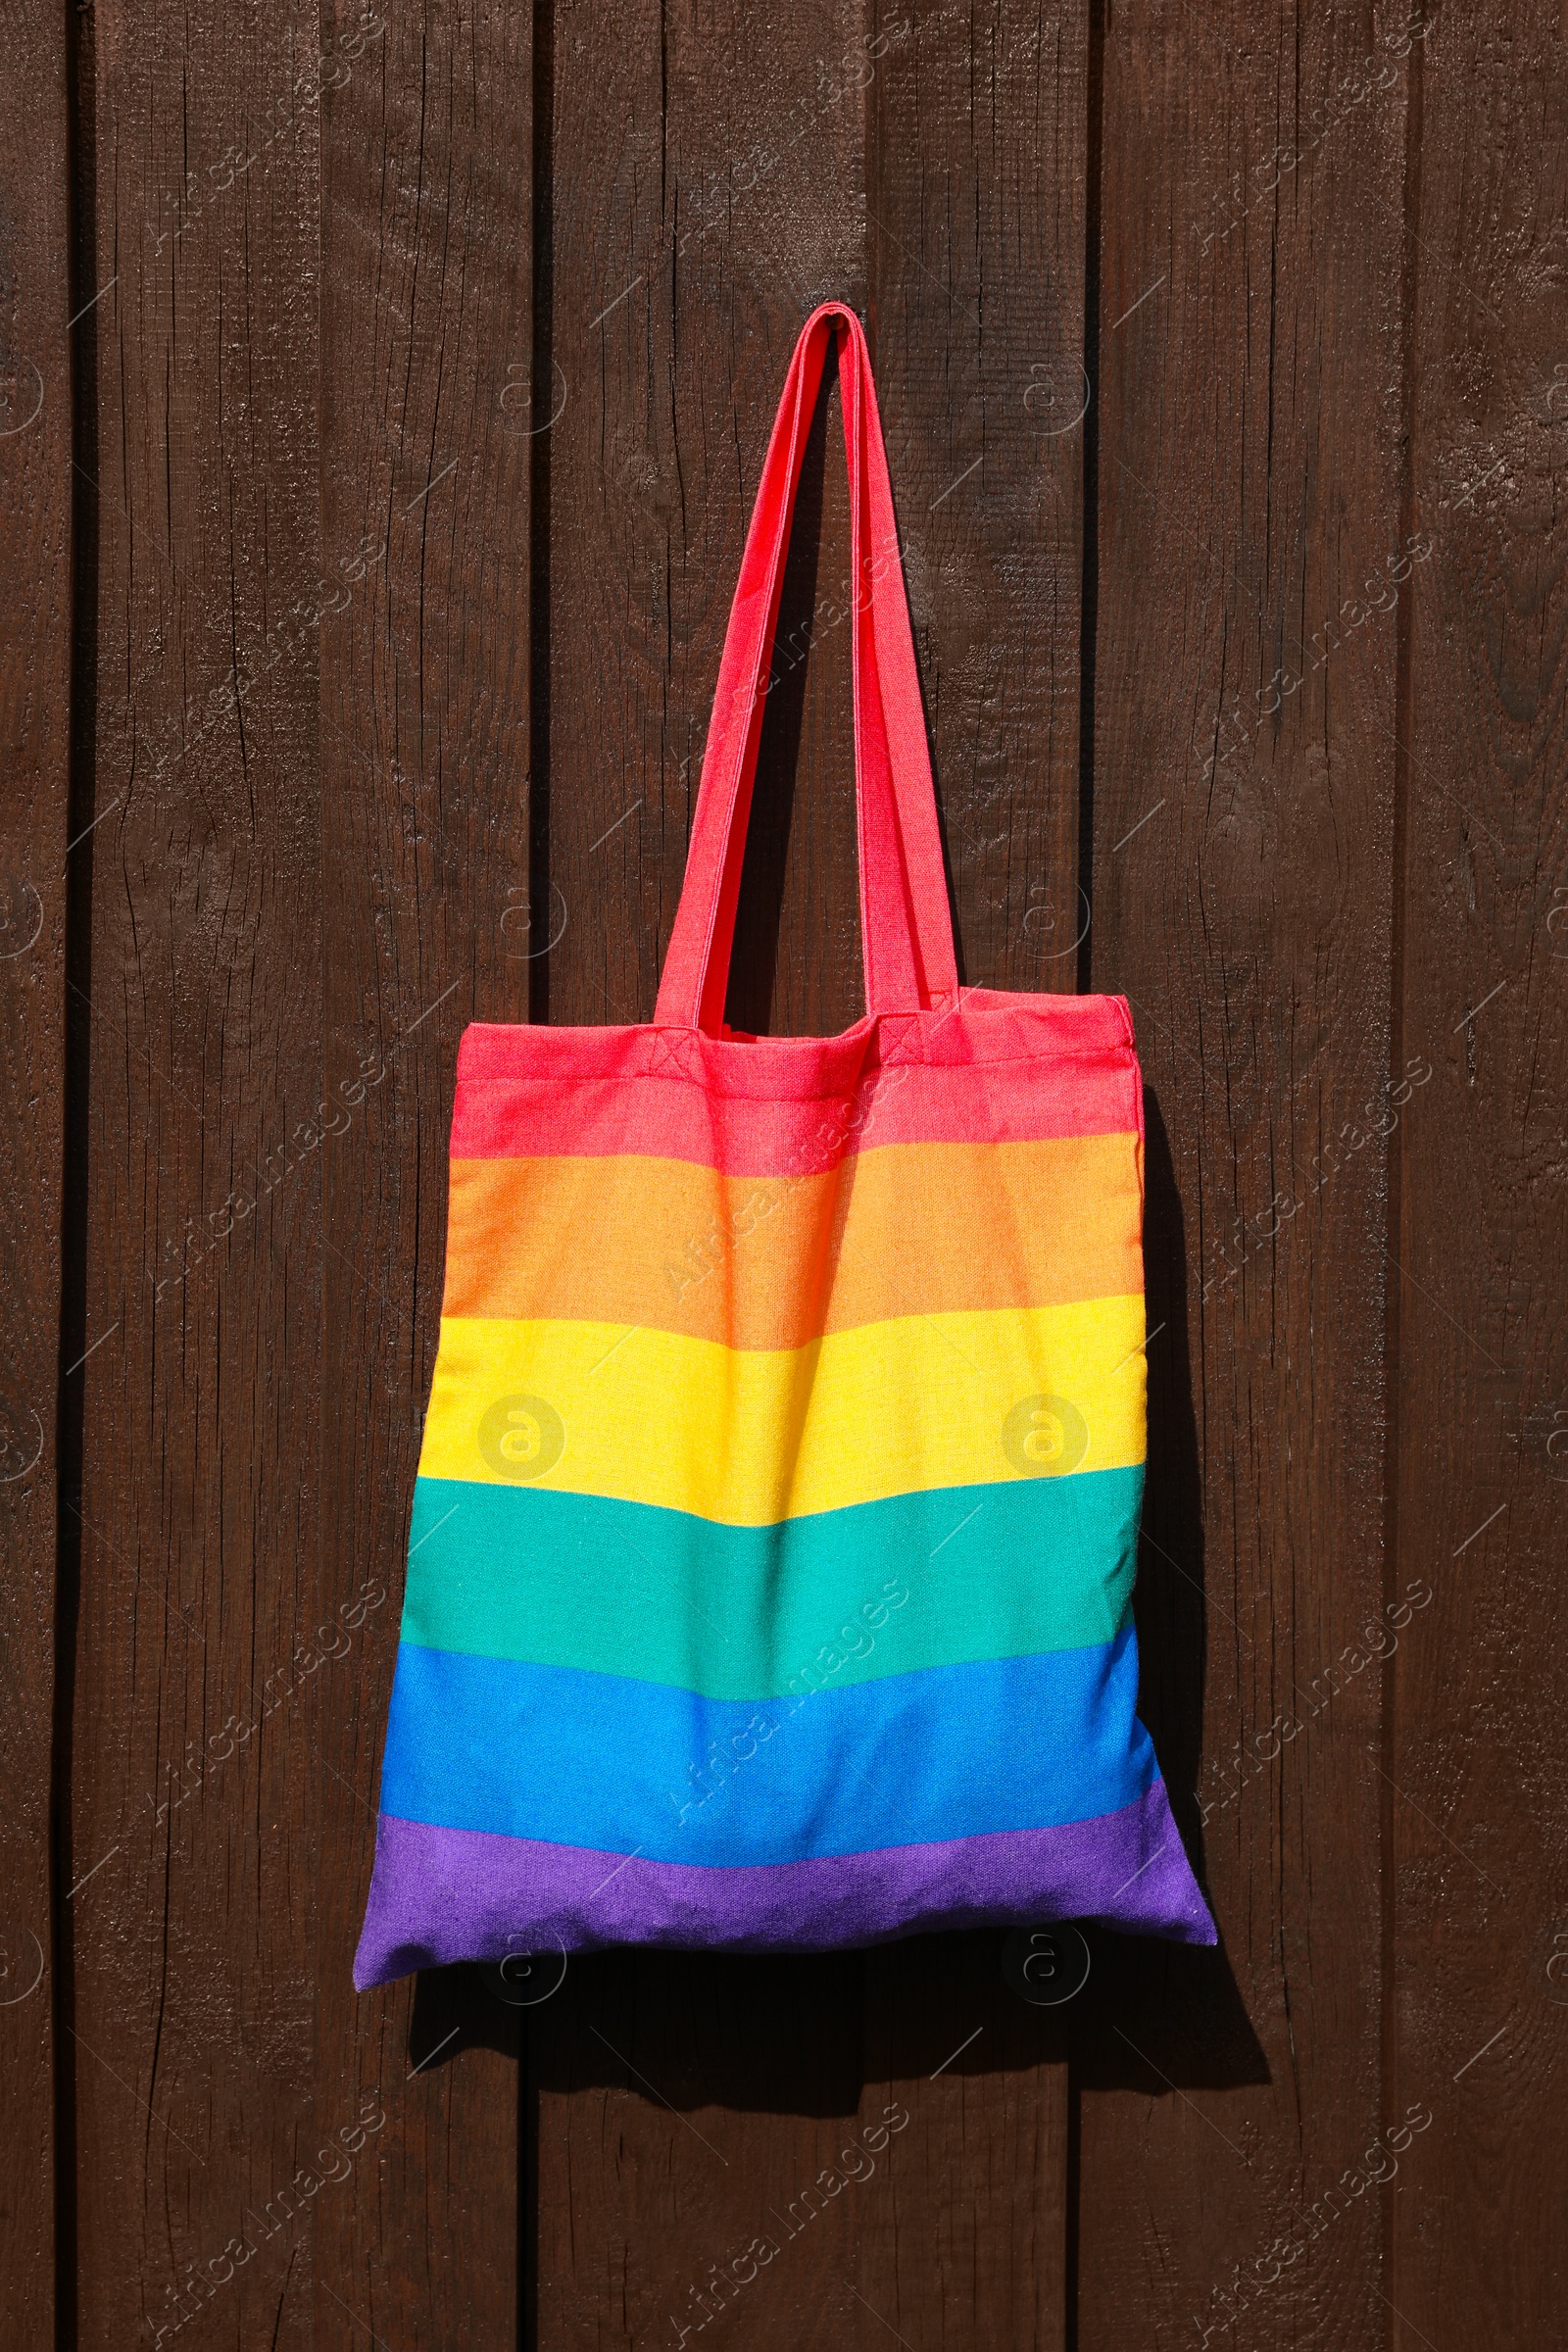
(772, 1548)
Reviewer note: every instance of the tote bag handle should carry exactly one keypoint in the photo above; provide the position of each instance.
(907, 936)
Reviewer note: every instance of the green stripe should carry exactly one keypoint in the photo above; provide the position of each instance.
(940, 1577)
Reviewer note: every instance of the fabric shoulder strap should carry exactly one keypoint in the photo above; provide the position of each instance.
(907, 935)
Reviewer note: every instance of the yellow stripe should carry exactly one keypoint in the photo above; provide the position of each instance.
(751, 1436)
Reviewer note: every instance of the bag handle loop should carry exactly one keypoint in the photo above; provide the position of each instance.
(910, 962)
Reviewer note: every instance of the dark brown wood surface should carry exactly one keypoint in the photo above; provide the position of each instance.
(381, 403)
(1243, 894)
(1478, 1921)
(38, 1327)
(425, 306)
(189, 2000)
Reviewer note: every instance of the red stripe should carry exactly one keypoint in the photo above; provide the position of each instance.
(998, 1069)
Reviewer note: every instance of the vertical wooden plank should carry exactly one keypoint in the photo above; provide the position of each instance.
(968, 2239)
(191, 1843)
(721, 208)
(698, 2129)
(35, 637)
(428, 429)
(1245, 701)
(1476, 1822)
(976, 216)
(756, 180)
(976, 205)
(701, 207)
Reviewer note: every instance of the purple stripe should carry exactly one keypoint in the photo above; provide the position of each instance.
(468, 1894)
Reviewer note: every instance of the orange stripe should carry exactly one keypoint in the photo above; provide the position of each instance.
(911, 1229)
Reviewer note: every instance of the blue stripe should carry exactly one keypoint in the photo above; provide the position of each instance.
(598, 1760)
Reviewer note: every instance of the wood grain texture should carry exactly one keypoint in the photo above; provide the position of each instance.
(1244, 810)
(976, 223)
(976, 210)
(425, 460)
(190, 1837)
(1477, 1827)
(758, 182)
(35, 639)
(701, 208)
(968, 2237)
(369, 548)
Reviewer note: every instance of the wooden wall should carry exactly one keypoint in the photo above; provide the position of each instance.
(381, 401)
